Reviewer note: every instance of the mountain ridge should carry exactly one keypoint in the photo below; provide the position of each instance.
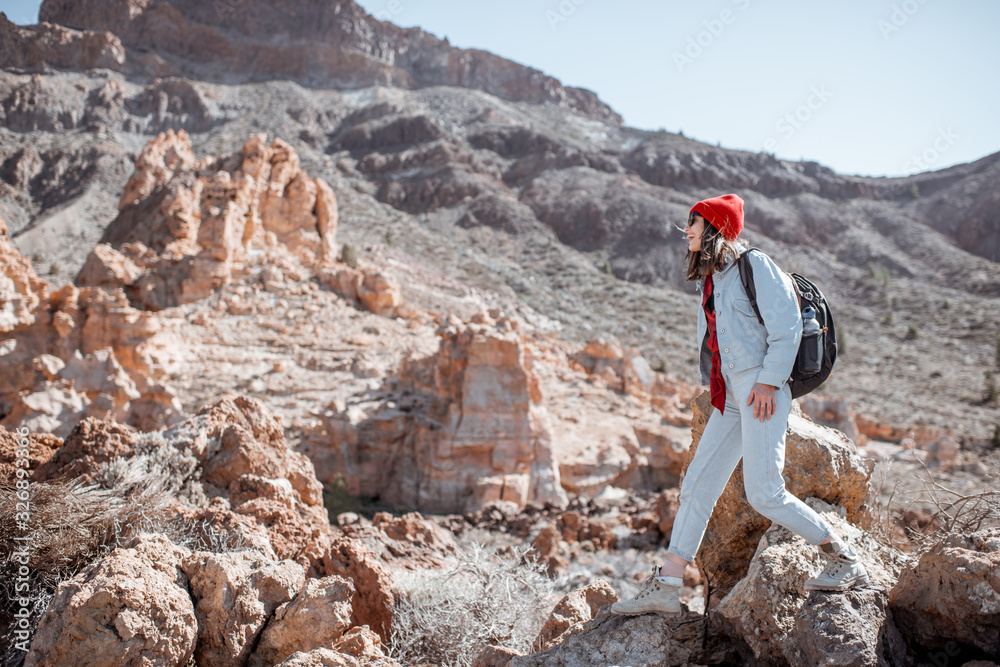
(547, 199)
(318, 44)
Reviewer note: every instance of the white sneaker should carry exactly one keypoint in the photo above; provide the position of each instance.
(843, 570)
(655, 597)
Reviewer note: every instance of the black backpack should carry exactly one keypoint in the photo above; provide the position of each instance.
(825, 348)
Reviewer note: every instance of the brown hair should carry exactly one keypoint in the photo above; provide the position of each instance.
(716, 251)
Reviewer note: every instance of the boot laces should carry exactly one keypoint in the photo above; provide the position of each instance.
(647, 584)
(833, 567)
(835, 561)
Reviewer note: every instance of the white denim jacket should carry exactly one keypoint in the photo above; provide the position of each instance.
(743, 342)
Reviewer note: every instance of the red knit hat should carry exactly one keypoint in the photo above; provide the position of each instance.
(725, 213)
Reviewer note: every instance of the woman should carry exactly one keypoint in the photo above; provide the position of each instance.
(746, 366)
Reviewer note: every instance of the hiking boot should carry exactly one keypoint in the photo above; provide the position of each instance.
(843, 570)
(654, 597)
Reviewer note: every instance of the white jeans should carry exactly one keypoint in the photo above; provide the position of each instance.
(727, 437)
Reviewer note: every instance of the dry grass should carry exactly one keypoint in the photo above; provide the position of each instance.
(447, 617)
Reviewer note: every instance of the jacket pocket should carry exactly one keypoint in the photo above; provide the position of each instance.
(744, 306)
(748, 320)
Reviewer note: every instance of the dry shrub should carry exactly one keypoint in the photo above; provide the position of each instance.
(936, 512)
(447, 617)
(887, 527)
(966, 513)
(73, 524)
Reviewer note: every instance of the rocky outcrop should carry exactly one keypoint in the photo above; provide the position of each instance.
(263, 493)
(162, 159)
(48, 44)
(22, 292)
(496, 415)
(952, 595)
(243, 456)
(153, 602)
(184, 228)
(468, 428)
(267, 579)
(75, 352)
(773, 620)
(132, 607)
(634, 448)
(819, 462)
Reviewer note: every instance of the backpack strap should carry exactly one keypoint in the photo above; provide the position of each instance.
(746, 277)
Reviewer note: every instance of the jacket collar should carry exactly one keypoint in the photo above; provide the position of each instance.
(732, 261)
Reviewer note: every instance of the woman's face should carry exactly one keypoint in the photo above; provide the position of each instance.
(694, 231)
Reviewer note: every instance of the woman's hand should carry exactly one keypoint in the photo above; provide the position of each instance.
(762, 398)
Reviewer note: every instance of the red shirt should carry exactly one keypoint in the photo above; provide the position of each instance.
(717, 385)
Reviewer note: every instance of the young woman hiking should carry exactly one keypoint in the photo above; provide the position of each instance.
(746, 366)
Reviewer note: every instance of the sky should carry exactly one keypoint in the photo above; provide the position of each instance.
(865, 87)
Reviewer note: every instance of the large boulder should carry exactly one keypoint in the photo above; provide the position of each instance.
(953, 594)
(772, 619)
(129, 608)
(235, 594)
(819, 462)
(318, 616)
(640, 641)
(368, 286)
(854, 629)
(372, 600)
(572, 611)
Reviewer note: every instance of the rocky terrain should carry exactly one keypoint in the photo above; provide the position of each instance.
(229, 556)
(315, 302)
